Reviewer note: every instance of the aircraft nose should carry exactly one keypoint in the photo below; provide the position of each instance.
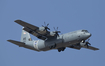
(89, 34)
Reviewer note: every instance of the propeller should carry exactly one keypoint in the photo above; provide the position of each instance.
(46, 26)
(87, 43)
(56, 31)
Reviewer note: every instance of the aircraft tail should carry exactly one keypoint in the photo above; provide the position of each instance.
(25, 36)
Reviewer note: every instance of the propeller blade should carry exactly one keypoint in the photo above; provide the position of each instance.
(47, 24)
(56, 31)
(87, 46)
(89, 43)
(88, 39)
(44, 23)
(59, 31)
(57, 34)
(57, 28)
(54, 28)
(42, 26)
(48, 28)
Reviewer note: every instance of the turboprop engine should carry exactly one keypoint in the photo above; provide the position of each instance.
(44, 27)
(55, 33)
(83, 43)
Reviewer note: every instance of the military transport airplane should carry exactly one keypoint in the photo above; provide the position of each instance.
(51, 40)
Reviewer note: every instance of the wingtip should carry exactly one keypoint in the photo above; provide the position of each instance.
(17, 20)
(96, 49)
(8, 40)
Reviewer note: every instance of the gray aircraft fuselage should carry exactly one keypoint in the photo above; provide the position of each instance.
(64, 40)
(51, 39)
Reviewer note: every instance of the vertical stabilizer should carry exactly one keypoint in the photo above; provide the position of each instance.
(25, 37)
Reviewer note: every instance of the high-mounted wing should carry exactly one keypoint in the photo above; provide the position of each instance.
(24, 24)
(90, 47)
(31, 29)
(78, 47)
(34, 33)
(20, 44)
(39, 32)
(75, 47)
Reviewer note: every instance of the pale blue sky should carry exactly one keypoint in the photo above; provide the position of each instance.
(68, 15)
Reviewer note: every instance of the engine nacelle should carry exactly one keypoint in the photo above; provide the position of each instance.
(82, 44)
(41, 28)
(52, 33)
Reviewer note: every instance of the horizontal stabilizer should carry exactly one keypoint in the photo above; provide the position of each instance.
(17, 43)
(20, 44)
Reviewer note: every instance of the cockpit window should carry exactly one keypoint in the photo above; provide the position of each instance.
(85, 31)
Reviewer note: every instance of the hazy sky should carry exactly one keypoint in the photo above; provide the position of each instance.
(68, 15)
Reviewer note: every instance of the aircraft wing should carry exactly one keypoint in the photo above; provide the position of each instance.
(31, 29)
(20, 44)
(75, 47)
(79, 47)
(34, 33)
(24, 24)
(91, 48)
(34, 30)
